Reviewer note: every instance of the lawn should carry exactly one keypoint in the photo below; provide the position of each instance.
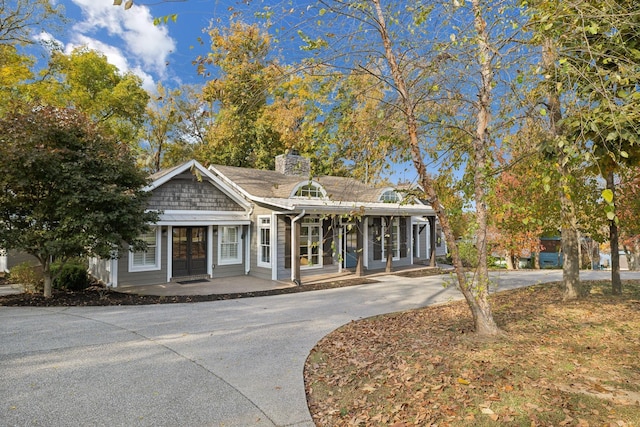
(556, 364)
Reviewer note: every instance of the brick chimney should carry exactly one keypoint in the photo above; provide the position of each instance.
(292, 163)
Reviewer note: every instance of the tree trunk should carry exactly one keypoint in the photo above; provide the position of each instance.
(474, 292)
(571, 262)
(635, 263)
(481, 146)
(536, 259)
(616, 283)
(48, 279)
(508, 260)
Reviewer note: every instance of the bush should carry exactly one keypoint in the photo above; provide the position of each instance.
(27, 275)
(72, 275)
(469, 254)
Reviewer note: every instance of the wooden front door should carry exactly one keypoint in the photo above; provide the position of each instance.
(189, 251)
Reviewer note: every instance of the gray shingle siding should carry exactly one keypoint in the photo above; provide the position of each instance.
(185, 192)
(125, 277)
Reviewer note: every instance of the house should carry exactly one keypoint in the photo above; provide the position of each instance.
(227, 221)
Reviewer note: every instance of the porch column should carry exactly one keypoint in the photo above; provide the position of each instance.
(432, 241)
(359, 247)
(388, 238)
(295, 249)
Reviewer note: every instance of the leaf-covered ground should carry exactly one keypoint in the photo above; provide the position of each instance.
(557, 364)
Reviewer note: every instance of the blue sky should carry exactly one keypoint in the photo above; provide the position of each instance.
(164, 53)
(133, 43)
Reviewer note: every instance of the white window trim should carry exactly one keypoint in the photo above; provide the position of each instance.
(304, 184)
(395, 223)
(383, 194)
(230, 261)
(314, 222)
(259, 240)
(156, 266)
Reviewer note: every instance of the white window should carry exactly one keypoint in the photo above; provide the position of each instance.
(149, 259)
(310, 191)
(310, 243)
(264, 241)
(229, 245)
(390, 196)
(394, 229)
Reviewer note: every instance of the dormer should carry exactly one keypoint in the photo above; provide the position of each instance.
(309, 190)
(389, 195)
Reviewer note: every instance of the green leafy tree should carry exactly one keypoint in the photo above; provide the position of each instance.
(68, 190)
(85, 80)
(590, 67)
(15, 72)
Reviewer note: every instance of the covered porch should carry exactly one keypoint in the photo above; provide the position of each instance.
(321, 244)
(250, 284)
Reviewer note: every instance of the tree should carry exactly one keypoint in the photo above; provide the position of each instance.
(240, 136)
(628, 213)
(67, 189)
(85, 80)
(193, 116)
(19, 18)
(15, 70)
(163, 118)
(591, 66)
(362, 131)
(414, 64)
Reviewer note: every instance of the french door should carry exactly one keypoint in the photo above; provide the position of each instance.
(310, 243)
(189, 251)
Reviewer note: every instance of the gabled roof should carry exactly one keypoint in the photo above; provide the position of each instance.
(343, 194)
(165, 175)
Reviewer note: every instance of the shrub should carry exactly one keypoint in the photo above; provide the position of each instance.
(469, 254)
(27, 275)
(71, 275)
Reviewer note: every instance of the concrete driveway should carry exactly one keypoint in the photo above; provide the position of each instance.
(223, 363)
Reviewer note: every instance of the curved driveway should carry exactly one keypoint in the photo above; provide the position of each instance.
(223, 363)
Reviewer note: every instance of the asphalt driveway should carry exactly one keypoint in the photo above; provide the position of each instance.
(222, 363)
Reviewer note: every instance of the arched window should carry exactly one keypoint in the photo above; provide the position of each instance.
(309, 190)
(390, 196)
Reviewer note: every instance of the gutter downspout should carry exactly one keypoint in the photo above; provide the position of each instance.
(295, 262)
(247, 245)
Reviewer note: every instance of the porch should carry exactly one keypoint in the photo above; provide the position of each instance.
(247, 284)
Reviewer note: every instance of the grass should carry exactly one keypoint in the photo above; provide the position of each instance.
(557, 364)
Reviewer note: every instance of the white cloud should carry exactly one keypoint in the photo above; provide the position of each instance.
(145, 47)
(48, 41)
